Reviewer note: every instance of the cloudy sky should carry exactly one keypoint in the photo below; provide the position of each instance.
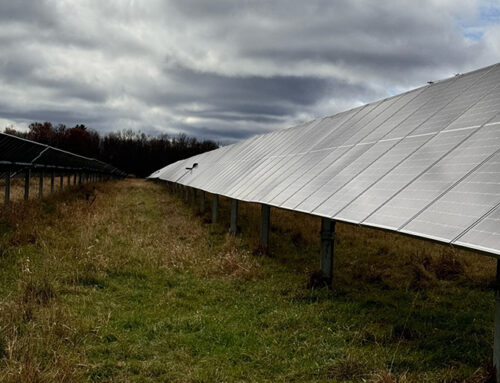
(224, 69)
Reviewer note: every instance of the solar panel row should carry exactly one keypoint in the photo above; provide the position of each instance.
(426, 163)
(15, 151)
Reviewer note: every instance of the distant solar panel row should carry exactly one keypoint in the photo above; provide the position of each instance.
(425, 162)
(15, 151)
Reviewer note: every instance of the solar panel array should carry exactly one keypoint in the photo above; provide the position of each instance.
(18, 152)
(425, 162)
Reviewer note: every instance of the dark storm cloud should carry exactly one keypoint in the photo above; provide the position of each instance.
(253, 98)
(226, 70)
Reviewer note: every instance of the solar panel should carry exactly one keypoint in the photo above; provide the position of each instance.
(424, 148)
(20, 152)
(462, 204)
(483, 235)
(424, 162)
(355, 189)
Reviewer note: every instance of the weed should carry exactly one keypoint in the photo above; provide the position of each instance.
(37, 291)
(448, 266)
(348, 367)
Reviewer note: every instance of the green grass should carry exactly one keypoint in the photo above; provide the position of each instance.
(138, 287)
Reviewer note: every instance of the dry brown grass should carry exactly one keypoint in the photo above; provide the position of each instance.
(69, 244)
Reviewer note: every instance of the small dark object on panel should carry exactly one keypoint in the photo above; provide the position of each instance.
(195, 165)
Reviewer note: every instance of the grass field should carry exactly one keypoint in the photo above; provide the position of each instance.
(126, 282)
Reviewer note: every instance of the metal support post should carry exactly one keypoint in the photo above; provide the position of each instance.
(202, 202)
(496, 341)
(69, 179)
(27, 180)
(52, 176)
(215, 208)
(327, 245)
(233, 227)
(79, 178)
(265, 224)
(40, 185)
(7, 186)
(74, 178)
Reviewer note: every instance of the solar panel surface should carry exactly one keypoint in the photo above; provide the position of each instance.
(425, 163)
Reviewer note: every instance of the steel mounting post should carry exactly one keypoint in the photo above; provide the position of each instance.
(27, 180)
(233, 227)
(215, 208)
(40, 185)
(7, 186)
(496, 340)
(327, 248)
(202, 202)
(52, 176)
(265, 225)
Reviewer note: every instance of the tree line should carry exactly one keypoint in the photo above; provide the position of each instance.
(133, 152)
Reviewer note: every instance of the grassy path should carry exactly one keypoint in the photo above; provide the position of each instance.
(134, 286)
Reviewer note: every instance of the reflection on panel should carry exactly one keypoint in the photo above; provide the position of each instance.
(395, 189)
(299, 175)
(292, 192)
(463, 205)
(371, 127)
(324, 174)
(407, 105)
(369, 176)
(308, 158)
(279, 162)
(421, 152)
(464, 100)
(238, 179)
(447, 92)
(339, 177)
(347, 129)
